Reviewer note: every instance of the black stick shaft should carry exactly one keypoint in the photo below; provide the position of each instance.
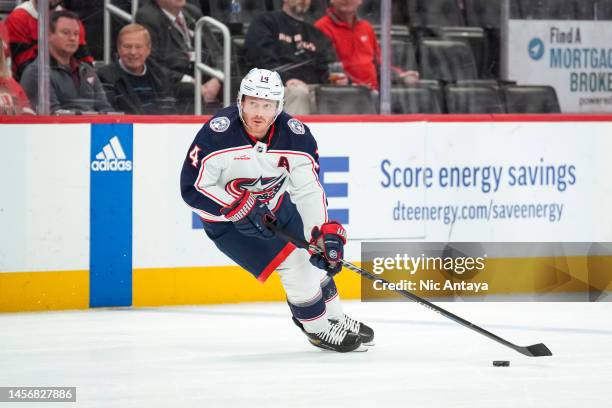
(536, 350)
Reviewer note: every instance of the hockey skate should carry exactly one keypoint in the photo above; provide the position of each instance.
(354, 326)
(335, 338)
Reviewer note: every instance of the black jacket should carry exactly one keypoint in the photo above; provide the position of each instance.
(276, 40)
(121, 95)
(167, 45)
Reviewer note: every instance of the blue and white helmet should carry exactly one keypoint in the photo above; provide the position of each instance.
(265, 84)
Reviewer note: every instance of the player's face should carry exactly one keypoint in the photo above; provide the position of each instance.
(258, 114)
(65, 39)
(134, 49)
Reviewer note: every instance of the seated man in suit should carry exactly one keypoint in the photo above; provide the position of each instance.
(170, 24)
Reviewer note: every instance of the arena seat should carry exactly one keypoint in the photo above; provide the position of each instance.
(585, 9)
(403, 54)
(6, 6)
(422, 13)
(478, 41)
(447, 60)
(345, 100)
(515, 9)
(493, 83)
(414, 99)
(370, 10)
(602, 9)
(530, 99)
(556, 9)
(483, 13)
(473, 99)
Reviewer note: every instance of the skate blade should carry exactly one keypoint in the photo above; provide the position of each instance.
(370, 344)
(361, 349)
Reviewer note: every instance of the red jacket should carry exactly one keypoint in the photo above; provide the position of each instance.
(13, 100)
(356, 46)
(5, 40)
(22, 25)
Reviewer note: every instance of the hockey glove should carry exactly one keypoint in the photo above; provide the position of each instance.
(249, 216)
(330, 238)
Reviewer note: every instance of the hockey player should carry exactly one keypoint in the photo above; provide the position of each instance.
(251, 164)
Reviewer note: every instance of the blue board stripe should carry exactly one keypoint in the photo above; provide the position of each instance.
(340, 215)
(335, 165)
(110, 248)
(196, 222)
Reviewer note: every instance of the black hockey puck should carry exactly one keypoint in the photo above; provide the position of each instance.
(501, 363)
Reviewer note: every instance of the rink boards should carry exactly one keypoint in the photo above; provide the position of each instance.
(91, 214)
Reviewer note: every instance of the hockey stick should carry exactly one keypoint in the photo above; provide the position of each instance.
(535, 350)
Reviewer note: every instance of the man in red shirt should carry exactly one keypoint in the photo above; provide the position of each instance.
(356, 44)
(22, 26)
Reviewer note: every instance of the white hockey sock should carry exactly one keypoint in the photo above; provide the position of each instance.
(317, 325)
(334, 308)
(302, 285)
(331, 296)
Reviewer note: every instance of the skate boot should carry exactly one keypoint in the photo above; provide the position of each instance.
(354, 326)
(335, 338)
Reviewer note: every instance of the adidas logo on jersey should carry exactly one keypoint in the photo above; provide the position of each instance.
(112, 158)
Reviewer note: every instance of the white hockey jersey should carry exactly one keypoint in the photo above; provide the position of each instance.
(225, 160)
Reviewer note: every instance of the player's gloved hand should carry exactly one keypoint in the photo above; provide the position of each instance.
(249, 216)
(330, 238)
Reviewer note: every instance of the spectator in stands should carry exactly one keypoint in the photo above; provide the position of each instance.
(282, 41)
(90, 12)
(134, 84)
(170, 24)
(356, 44)
(73, 85)
(13, 100)
(22, 25)
(4, 36)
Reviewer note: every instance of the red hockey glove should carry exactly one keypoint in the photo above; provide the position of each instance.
(249, 216)
(330, 238)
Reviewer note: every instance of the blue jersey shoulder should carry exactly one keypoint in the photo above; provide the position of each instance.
(296, 135)
(225, 130)
(222, 131)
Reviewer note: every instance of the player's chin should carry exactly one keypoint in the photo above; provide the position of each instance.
(259, 125)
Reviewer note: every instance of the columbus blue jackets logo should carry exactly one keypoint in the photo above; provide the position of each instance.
(264, 188)
(220, 124)
(296, 126)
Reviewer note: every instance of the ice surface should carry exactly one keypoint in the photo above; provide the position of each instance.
(251, 355)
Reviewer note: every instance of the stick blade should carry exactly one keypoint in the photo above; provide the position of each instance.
(536, 350)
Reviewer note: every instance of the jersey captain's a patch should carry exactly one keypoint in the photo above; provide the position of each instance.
(220, 124)
(296, 126)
